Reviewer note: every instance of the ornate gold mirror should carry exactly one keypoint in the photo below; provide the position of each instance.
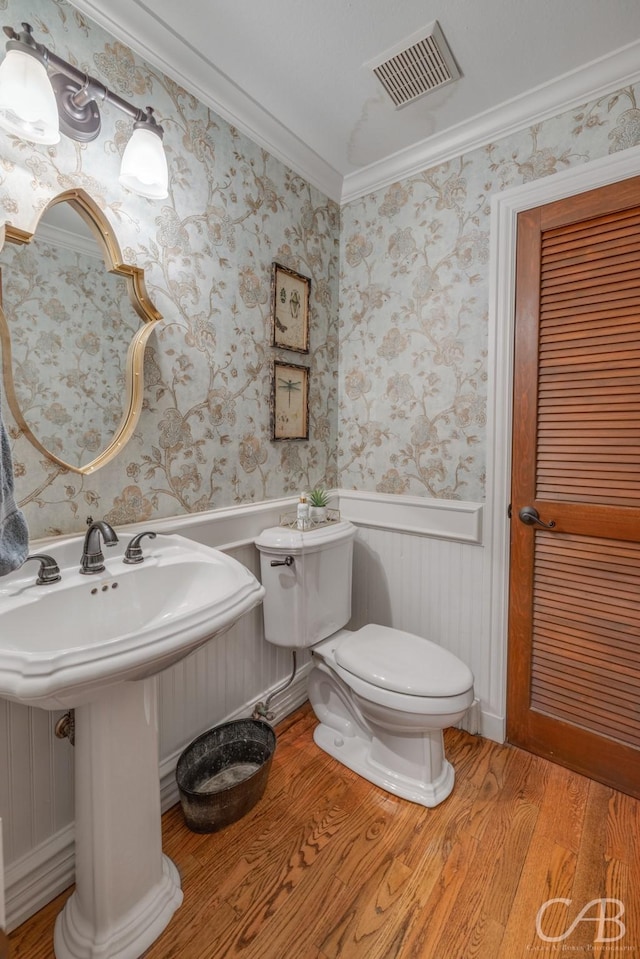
(71, 337)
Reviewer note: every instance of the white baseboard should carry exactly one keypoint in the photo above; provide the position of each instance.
(492, 727)
(37, 878)
(478, 722)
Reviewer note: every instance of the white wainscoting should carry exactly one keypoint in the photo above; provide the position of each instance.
(419, 566)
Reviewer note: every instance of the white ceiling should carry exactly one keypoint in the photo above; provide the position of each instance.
(292, 74)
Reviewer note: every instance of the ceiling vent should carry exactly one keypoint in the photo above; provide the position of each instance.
(421, 63)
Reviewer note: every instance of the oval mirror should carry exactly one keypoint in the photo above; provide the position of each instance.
(71, 334)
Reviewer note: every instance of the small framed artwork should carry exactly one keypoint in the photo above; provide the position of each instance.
(290, 309)
(290, 402)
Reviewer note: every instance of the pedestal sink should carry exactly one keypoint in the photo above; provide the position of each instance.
(95, 643)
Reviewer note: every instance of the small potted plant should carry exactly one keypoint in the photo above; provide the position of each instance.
(318, 502)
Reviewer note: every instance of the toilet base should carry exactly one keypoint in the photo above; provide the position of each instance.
(355, 753)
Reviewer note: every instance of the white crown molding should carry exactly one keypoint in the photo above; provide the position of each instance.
(130, 21)
(589, 82)
(144, 32)
(64, 239)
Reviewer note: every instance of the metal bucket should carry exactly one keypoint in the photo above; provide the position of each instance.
(223, 773)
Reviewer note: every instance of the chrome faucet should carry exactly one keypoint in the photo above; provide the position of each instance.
(92, 556)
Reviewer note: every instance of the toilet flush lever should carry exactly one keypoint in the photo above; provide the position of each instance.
(287, 561)
(530, 517)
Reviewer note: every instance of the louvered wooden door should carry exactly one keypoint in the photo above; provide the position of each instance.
(574, 629)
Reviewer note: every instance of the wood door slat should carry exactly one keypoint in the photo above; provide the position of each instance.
(592, 362)
(622, 460)
(617, 639)
(601, 375)
(570, 410)
(575, 296)
(577, 325)
(621, 610)
(568, 257)
(573, 637)
(590, 279)
(595, 579)
(624, 306)
(615, 675)
(599, 485)
(577, 349)
(585, 394)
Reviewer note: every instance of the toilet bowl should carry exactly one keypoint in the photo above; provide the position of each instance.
(382, 696)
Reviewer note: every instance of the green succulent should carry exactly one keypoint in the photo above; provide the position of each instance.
(318, 497)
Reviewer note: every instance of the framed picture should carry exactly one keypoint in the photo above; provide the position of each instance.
(290, 402)
(290, 309)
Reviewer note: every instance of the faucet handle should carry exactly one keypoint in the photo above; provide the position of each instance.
(49, 571)
(133, 552)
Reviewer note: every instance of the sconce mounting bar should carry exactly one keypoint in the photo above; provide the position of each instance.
(77, 93)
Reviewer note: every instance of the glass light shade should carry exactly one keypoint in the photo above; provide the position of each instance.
(27, 101)
(144, 165)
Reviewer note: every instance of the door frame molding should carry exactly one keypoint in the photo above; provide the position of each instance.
(505, 208)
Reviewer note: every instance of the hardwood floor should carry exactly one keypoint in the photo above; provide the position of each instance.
(328, 866)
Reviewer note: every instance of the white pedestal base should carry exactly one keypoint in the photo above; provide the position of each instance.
(126, 890)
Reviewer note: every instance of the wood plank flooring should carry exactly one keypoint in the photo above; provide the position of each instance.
(328, 866)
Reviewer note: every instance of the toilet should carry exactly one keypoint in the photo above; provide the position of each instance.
(382, 696)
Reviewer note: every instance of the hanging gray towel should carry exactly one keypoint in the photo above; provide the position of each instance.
(14, 535)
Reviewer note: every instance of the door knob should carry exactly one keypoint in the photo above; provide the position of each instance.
(530, 517)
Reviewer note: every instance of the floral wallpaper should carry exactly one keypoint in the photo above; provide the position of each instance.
(414, 305)
(399, 301)
(204, 437)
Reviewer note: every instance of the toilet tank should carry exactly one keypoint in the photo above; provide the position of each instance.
(308, 597)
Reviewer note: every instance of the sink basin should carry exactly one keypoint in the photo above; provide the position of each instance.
(95, 643)
(60, 643)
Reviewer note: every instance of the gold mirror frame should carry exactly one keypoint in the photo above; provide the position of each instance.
(134, 372)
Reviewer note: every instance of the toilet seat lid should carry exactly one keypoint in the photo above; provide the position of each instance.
(402, 662)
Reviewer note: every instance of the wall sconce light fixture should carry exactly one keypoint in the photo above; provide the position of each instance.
(36, 107)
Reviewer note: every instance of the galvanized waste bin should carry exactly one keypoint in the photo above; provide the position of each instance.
(223, 773)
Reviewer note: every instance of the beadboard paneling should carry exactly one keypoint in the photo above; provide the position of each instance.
(425, 586)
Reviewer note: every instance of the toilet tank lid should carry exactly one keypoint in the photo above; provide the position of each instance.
(403, 662)
(284, 539)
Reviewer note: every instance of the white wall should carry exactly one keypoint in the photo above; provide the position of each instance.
(419, 566)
